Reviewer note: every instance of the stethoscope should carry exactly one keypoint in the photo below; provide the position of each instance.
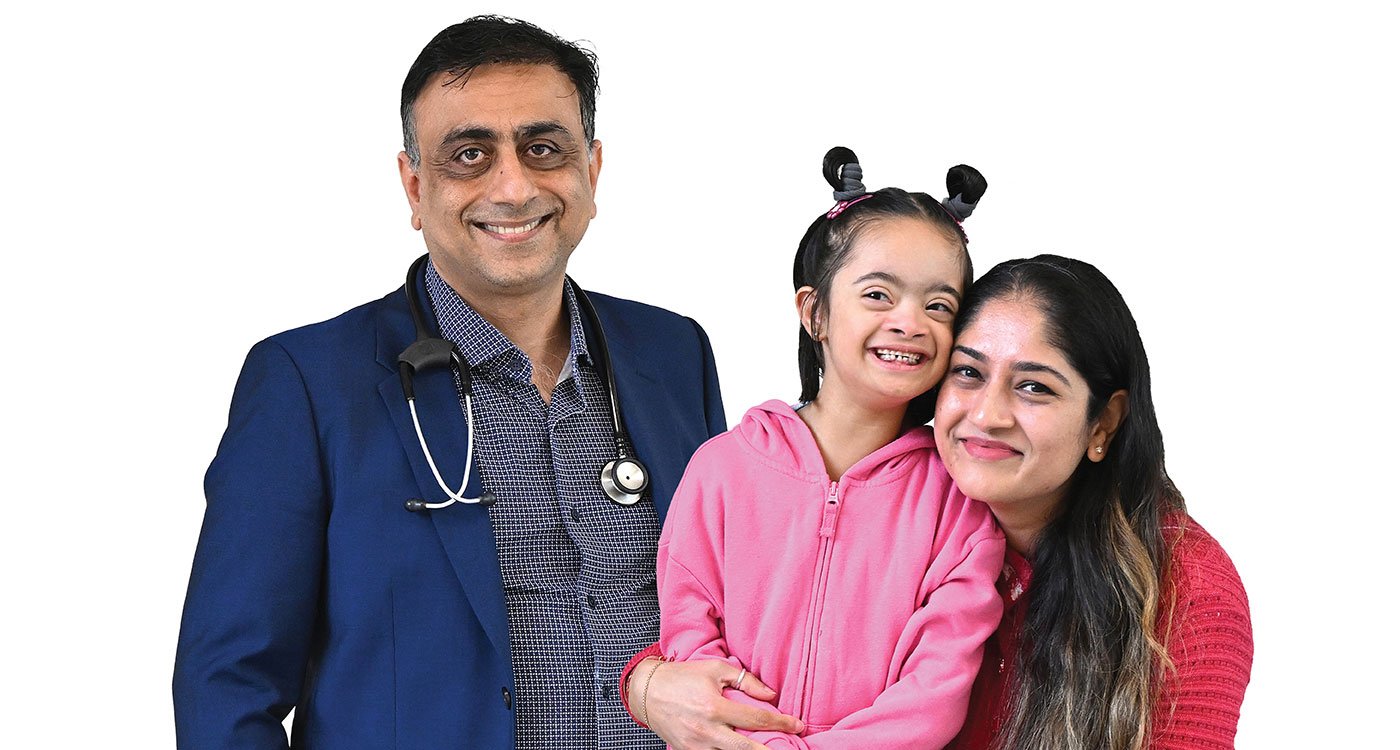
(624, 478)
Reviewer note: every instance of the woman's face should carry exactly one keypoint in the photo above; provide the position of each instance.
(1012, 415)
(888, 325)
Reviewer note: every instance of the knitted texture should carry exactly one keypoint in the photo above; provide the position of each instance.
(1208, 637)
(1211, 645)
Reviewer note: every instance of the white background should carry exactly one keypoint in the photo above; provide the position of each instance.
(182, 180)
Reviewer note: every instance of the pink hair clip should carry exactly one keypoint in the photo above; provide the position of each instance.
(841, 206)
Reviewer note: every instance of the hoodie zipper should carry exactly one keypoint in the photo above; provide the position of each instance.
(817, 600)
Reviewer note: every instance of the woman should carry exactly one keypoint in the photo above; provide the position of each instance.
(1134, 630)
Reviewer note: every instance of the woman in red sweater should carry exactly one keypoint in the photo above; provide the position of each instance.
(1134, 630)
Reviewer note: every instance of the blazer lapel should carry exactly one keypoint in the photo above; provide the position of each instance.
(465, 530)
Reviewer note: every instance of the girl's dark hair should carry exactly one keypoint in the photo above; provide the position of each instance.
(827, 245)
(1093, 664)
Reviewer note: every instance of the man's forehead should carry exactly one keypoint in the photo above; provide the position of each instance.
(501, 97)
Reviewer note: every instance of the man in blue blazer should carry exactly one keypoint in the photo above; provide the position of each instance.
(466, 626)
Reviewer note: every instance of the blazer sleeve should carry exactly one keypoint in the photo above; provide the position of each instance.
(941, 647)
(251, 606)
(714, 405)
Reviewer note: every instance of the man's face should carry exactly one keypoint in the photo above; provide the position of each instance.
(504, 191)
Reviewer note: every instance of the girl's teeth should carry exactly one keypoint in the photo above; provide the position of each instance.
(893, 356)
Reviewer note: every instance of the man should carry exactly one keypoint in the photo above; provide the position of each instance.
(461, 625)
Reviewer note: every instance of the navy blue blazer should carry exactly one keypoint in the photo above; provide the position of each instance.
(313, 588)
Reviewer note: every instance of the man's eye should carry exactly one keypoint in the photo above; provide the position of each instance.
(541, 149)
(470, 155)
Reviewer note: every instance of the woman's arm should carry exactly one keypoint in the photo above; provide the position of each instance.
(1211, 642)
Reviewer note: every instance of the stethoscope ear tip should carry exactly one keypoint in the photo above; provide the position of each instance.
(414, 505)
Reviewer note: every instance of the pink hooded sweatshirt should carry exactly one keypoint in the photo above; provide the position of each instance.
(864, 602)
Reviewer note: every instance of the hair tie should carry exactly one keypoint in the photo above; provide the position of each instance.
(843, 205)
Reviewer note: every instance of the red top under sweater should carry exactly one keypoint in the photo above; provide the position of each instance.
(1211, 645)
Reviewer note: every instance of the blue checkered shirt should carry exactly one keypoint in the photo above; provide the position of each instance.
(579, 570)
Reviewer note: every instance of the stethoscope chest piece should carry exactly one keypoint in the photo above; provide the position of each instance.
(624, 480)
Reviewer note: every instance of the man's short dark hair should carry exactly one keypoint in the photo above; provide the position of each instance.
(492, 40)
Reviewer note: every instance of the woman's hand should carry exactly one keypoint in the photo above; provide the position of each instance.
(684, 705)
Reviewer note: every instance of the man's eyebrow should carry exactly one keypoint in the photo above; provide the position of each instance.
(469, 133)
(889, 278)
(543, 127)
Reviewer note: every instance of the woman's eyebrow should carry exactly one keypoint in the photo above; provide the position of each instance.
(1020, 366)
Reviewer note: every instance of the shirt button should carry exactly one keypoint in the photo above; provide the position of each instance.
(592, 601)
(505, 696)
(607, 691)
(574, 514)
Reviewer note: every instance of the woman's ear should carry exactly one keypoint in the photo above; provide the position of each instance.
(806, 301)
(1106, 426)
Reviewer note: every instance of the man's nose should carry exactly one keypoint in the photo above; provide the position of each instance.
(512, 183)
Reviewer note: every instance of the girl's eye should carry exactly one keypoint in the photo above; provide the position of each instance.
(876, 295)
(940, 307)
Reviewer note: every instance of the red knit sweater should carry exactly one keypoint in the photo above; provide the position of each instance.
(1211, 645)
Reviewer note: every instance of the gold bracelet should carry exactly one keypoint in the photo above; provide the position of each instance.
(646, 687)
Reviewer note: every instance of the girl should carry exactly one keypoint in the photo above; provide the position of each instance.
(824, 550)
(1134, 630)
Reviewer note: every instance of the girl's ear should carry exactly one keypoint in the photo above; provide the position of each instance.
(806, 302)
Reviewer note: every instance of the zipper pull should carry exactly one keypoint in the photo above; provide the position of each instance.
(828, 528)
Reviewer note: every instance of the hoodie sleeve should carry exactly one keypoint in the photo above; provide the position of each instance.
(940, 650)
(689, 561)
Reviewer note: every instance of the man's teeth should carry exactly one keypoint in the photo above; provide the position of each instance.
(522, 229)
(890, 355)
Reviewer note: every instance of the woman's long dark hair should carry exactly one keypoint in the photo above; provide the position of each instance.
(1091, 661)
(827, 244)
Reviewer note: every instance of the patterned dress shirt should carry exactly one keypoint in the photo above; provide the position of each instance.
(579, 570)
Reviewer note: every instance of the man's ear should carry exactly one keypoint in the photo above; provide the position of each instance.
(408, 174)
(1106, 426)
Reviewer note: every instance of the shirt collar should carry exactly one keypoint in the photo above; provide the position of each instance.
(483, 345)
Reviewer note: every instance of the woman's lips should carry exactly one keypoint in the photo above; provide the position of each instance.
(988, 450)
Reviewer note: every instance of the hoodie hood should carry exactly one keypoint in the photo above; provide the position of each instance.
(777, 436)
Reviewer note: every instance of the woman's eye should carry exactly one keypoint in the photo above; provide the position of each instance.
(964, 371)
(1038, 389)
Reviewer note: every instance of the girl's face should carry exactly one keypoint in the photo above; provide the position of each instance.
(888, 327)
(1012, 416)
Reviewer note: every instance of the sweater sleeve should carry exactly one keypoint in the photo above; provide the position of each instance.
(1211, 643)
(941, 652)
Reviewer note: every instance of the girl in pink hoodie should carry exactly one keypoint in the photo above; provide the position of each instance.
(825, 550)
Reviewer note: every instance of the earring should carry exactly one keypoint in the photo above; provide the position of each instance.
(1099, 450)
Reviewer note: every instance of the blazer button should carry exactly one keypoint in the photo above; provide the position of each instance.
(505, 696)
